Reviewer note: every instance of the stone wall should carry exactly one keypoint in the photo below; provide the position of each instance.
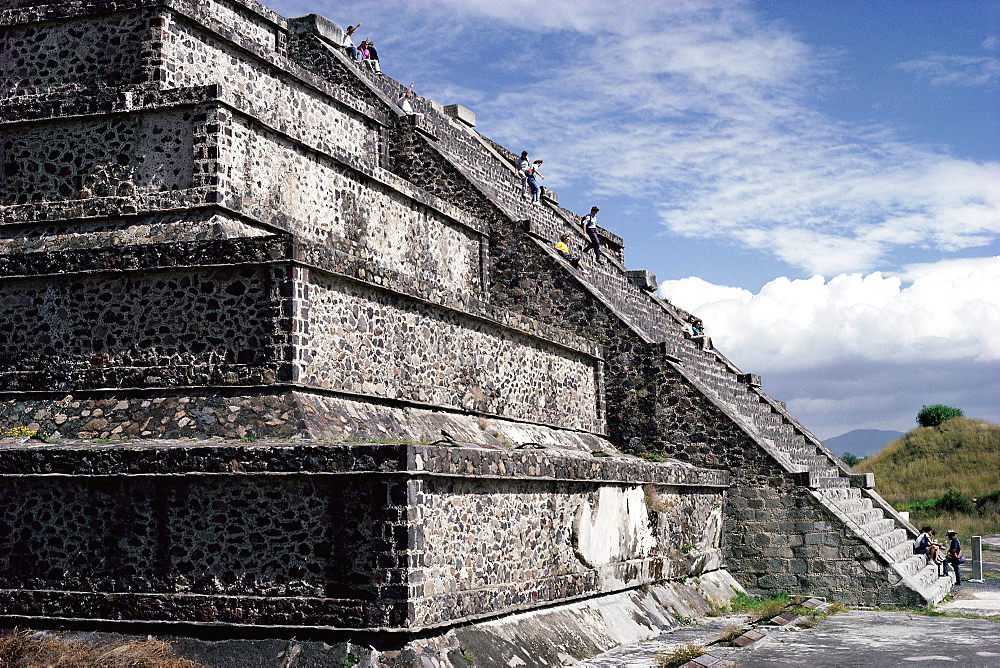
(340, 536)
(86, 52)
(367, 341)
(108, 156)
(258, 89)
(156, 329)
(481, 551)
(329, 204)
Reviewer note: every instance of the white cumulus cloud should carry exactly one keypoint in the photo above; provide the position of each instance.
(863, 349)
(949, 311)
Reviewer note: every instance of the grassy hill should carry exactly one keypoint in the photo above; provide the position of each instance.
(961, 454)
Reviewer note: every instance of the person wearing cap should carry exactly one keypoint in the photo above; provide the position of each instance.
(372, 59)
(954, 556)
(349, 47)
(589, 223)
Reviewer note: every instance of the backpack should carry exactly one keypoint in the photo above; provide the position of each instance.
(921, 543)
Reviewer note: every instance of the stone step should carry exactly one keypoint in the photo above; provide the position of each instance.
(867, 515)
(854, 504)
(797, 454)
(929, 575)
(938, 589)
(890, 539)
(902, 551)
(843, 495)
(879, 527)
(815, 462)
(916, 566)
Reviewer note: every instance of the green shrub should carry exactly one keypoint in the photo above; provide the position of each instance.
(989, 502)
(849, 459)
(932, 416)
(954, 502)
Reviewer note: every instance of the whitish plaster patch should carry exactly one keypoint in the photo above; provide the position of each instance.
(616, 529)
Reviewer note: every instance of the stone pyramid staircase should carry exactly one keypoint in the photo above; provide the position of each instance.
(847, 496)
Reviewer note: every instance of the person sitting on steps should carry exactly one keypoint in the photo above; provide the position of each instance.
(349, 47)
(563, 248)
(404, 102)
(696, 332)
(934, 555)
(372, 60)
(924, 544)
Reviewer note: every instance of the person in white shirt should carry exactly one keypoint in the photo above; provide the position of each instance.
(521, 165)
(589, 223)
(349, 47)
(404, 102)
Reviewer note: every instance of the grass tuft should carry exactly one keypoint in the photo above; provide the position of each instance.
(729, 633)
(42, 650)
(671, 658)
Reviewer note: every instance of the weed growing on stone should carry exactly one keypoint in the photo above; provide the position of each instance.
(28, 648)
(717, 609)
(831, 609)
(685, 621)
(679, 656)
(17, 432)
(729, 633)
(350, 660)
(598, 453)
(759, 607)
(656, 502)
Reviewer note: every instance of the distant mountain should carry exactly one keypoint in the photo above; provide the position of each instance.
(861, 442)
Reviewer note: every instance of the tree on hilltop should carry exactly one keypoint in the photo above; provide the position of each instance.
(932, 416)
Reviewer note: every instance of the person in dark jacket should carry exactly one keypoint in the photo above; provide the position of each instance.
(954, 556)
(372, 59)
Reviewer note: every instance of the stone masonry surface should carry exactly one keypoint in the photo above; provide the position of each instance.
(195, 320)
(360, 340)
(334, 534)
(214, 226)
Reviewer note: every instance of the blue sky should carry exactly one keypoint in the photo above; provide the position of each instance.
(818, 180)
